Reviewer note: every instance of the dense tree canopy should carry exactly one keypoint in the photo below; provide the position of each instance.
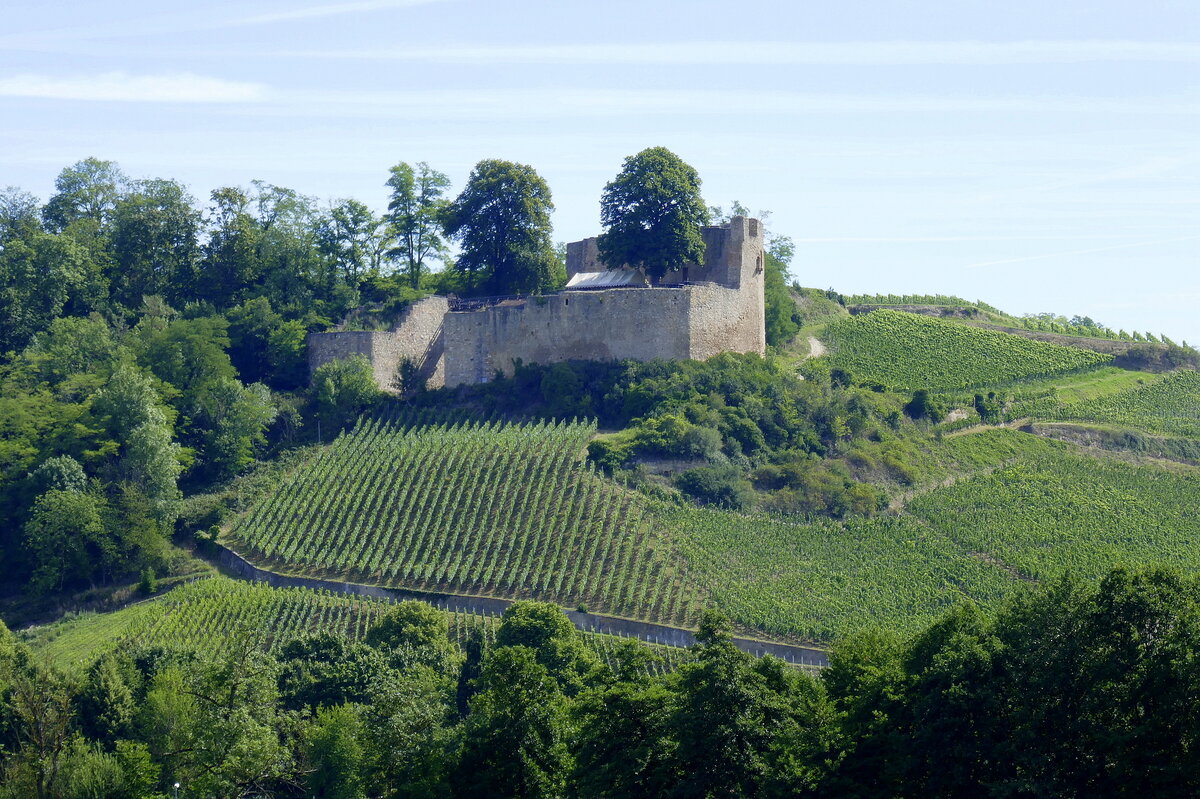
(501, 220)
(1068, 690)
(652, 213)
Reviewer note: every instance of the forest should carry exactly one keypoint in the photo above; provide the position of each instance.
(1069, 690)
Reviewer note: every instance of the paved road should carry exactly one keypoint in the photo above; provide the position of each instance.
(238, 566)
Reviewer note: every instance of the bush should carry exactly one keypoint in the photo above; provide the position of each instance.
(717, 485)
(922, 406)
(148, 584)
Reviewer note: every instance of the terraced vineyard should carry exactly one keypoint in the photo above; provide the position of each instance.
(1064, 511)
(509, 510)
(823, 578)
(204, 615)
(906, 351)
(502, 510)
(1048, 510)
(1170, 406)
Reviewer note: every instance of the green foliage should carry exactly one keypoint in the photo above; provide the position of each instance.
(66, 538)
(722, 485)
(652, 213)
(515, 737)
(545, 629)
(155, 248)
(37, 276)
(922, 406)
(783, 318)
(501, 220)
(907, 351)
(344, 389)
(1171, 405)
(336, 753)
(354, 241)
(415, 210)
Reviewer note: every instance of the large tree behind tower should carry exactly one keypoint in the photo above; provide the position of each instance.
(502, 222)
(652, 214)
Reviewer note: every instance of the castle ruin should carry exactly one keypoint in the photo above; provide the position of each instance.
(603, 314)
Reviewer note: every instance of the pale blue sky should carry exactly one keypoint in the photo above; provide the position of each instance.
(1040, 156)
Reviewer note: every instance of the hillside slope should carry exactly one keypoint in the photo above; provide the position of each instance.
(907, 351)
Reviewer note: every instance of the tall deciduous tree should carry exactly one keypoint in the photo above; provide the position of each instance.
(414, 215)
(88, 189)
(154, 243)
(230, 265)
(37, 275)
(652, 214)
(352, 237)
(502, 221)
(515, 736)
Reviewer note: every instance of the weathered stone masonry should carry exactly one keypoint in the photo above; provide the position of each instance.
(696, 313)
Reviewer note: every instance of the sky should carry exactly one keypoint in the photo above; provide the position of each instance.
(1038, 156)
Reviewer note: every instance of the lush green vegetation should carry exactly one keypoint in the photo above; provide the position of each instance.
(210, 614)
(820, 579)
(940, 300)
(507, 510)
(905, 351)
(511, 510)
(1170, 405)
(1025, 699)
(1064, 512)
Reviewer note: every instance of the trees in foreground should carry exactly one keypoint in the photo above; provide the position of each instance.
(1070, 690)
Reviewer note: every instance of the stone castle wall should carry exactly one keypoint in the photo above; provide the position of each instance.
(418, 334)
(711, 308)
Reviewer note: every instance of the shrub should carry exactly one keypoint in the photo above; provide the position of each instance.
(717, 485)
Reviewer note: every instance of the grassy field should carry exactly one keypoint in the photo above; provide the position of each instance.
(905, 351)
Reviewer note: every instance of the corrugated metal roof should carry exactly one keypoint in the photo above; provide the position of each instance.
(606, 279)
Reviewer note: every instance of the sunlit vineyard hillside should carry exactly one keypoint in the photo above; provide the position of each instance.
(206, 615)
(511, 510)
(499, 509)
(907, 351)
(1051, 511)
(1170, 406)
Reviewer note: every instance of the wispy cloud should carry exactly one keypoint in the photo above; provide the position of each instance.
(1087, 251)
(1152, 168)
(559, 103)
(181, 87)
(329, 10)
(202, 20)
(882, 53)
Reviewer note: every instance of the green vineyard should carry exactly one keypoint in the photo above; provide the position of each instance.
(511, 510)
(907, 351)
(496, 509)
(1063, 511)
(1170, 406)
(820, 579)
(205, 615)
(1032, 510)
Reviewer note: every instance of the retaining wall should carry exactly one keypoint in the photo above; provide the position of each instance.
(492, 606)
